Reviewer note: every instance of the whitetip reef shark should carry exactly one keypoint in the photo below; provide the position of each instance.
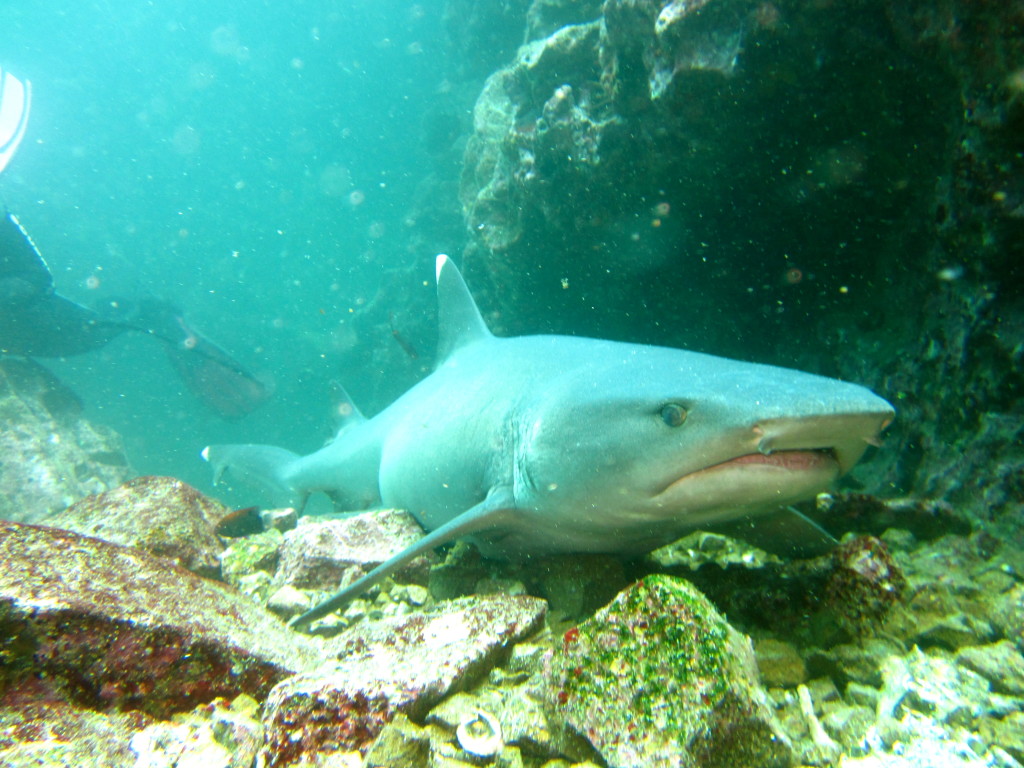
(538, 445)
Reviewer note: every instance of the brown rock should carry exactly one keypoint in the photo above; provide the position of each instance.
(399, 743)
(1008, 615)
(999, 663)
(161, 515)
(401, 665)
(780, 664)
(113, 627)
(1007, 733)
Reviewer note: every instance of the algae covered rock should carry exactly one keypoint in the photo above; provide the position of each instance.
(1008, 615)
(37, 730)
(780, 663)
(658, 678)
(999, 663)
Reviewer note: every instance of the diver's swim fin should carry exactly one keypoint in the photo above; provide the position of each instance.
(35, 321)
(24, 276)
(15, 102)
(208, 371)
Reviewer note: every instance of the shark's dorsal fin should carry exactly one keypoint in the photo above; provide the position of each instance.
(459, 320)
(343, 408)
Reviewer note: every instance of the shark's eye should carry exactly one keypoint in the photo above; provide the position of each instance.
(673, 414)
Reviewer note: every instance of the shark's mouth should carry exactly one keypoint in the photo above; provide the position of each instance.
(753, 480)
(793, 460)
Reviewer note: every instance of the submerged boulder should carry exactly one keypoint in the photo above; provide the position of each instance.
(658, 679)
(161, 515)
(112, 627)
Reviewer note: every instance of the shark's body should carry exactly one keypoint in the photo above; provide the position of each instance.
(547, 444)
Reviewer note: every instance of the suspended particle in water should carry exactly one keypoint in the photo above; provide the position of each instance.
(661, 210)
(92, 282)
(793, 276)
(356, 197)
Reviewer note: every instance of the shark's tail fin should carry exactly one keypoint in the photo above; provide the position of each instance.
(262, 466)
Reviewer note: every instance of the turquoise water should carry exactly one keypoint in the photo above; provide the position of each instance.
(254, 164)
(285, 173)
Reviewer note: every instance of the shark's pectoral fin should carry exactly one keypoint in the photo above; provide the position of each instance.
(489, 513)
(786, 533)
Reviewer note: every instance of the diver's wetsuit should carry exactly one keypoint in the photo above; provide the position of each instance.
(36, 321)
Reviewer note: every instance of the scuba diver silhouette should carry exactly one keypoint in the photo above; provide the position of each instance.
(36, 321)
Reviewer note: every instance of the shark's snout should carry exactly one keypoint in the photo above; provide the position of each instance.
(846, 436)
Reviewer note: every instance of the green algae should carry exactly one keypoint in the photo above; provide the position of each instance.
(678, 620)
(659, 672)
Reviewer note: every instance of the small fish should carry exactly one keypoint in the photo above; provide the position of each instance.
(241, 522)
(410, 350)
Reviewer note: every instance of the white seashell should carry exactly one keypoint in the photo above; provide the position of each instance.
(480, 734)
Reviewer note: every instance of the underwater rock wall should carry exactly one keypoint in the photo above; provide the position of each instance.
(49, 455)
(832, 186)
(960, 384)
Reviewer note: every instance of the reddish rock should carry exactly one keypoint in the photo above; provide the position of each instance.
(322, 554)
(161, 515)
(38, 730)
(401, 665)
(113, 627)
(865, 584)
